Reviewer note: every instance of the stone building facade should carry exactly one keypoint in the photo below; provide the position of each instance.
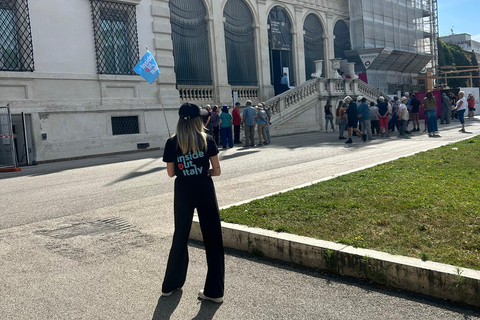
(66, 69)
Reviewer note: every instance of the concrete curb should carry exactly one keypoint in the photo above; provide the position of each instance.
(399, 272)
(410, 274)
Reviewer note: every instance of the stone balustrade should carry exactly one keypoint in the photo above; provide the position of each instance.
(246, 93)
(197, 94)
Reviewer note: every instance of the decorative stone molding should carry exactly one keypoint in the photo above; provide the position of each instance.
(318, 69)
(335, 66)
(132, 2)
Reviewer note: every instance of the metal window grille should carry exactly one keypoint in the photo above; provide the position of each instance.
(190, 42)
(313, 43)
(16, 48)
(342, 39)
(239, 44)
(116, 37)
(125, 125)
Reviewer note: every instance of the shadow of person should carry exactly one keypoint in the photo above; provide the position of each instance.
(166, 306)
(207, 310)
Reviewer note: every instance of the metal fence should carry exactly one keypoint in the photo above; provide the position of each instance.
(7, 146)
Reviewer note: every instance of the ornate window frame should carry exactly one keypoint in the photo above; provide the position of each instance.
(16, 46)
(117, 20)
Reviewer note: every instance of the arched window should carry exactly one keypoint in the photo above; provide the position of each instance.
(313, 42)
(342, 39)
(190, 42)
(280, 43)
(239, 44)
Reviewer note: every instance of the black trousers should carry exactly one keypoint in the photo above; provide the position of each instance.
(196, 193)
(236, 134)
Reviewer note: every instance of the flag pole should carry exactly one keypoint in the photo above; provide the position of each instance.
(161, 103)
(159, 97)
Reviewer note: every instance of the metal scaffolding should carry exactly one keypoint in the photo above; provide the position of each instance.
(399, 37)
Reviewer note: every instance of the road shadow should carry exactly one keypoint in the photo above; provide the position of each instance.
(138, 173)
(366, 285)
(240, 153)
(207, 310)
(166, 306)
(69, 164)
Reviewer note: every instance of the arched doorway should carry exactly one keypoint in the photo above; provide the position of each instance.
(280, 44)
(313, 43)
(239, 44)
(190, 42)
(342, 39)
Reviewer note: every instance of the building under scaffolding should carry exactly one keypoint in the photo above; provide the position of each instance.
(393, 41)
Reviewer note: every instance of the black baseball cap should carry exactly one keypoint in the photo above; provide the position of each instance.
(190, 111)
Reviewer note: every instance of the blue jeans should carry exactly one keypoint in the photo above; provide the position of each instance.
(431, 120)
(461, 116)
(226, 134)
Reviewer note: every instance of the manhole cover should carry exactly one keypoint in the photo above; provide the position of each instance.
(97, 227)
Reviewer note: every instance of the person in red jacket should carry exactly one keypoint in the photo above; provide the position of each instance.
(236, 123)
(471, 106)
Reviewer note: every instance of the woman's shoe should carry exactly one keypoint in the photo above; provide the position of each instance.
(168, 294)
(204, 297)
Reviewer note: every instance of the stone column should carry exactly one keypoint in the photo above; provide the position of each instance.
(163, 51)
(329, 42)
(263, 52)
(299, 52)
(216, 29)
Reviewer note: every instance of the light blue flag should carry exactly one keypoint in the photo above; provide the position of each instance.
(147, 68)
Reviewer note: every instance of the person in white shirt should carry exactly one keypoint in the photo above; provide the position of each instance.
(460, 108)
(403, 116)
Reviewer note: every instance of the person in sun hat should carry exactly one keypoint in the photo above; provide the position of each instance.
(192, 156)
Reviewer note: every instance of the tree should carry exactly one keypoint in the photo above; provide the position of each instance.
(450, 54)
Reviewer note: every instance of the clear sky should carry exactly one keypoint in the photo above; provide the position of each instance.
(463, 16)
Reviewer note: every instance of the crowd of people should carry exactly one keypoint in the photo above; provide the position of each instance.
(219, 123)
(382, 117)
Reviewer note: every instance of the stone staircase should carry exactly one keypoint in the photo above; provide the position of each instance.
(301, 109)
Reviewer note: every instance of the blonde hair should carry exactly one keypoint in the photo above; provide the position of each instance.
(191, 136)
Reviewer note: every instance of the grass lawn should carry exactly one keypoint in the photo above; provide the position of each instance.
(424, 206)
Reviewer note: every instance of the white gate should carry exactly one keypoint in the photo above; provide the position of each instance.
(8, 158)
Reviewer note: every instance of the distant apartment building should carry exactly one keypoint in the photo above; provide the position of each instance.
(464, 40)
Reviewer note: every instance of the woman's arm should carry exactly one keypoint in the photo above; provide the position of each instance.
(171, 169)
(215, 169)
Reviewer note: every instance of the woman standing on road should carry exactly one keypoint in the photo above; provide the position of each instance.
(328, 116)
(341, 119)
(226, 128)
(382, 113)
(460, 109)
(471, 106)
(430, 106)
(192, 156)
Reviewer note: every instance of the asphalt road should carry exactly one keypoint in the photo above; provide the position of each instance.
(89, 239)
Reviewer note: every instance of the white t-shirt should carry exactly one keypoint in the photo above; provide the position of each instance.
(464, 104)
(405, 114)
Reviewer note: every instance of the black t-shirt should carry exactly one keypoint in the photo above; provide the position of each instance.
(415, 105)
(352, 111)
(383, 108)
(191, 165)
(327, 109)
